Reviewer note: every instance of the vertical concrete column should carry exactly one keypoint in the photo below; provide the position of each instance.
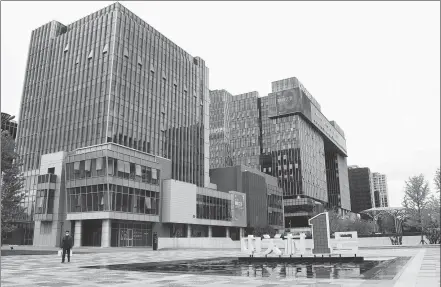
(105, 232)
(77, 234)
(227, 231)
(241, 232)
(188, 230)
(210, 231)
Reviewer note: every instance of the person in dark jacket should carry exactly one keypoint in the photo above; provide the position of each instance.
(66, 245)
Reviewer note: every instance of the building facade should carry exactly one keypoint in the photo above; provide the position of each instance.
(285, 135)
(110, 110)
(111, 77)
(220, 145)
(305, 151)
(361, 188)
(264, 199)
(381, 194)
(245, 129)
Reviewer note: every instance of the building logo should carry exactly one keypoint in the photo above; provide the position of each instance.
(289, 102)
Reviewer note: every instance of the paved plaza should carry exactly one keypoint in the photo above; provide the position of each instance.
(46, 270)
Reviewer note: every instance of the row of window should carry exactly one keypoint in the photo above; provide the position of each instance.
(213, 208)
(97, 167)
(117, 198)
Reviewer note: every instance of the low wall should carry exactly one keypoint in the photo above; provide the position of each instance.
(227, 243)
(377, 241)
(198, 243)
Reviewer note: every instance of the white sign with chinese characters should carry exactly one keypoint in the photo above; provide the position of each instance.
(253, 245)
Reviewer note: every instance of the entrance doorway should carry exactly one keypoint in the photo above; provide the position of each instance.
(91, 233)
(125, 237)
(131, 234)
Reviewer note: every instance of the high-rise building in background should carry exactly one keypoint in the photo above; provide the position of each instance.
(220, 142)
(380, 189)
(245, 129)
(305, 151)
(294, 142)
(361, 187)
(114, 135)
(368, 189)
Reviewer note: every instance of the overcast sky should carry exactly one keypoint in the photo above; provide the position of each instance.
(373, 66)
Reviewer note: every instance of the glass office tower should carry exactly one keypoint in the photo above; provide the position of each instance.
(111, 77)
(108, 78)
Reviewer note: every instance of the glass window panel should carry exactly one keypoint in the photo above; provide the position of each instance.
(89, 198)
(141, 204)
(93, 167)
(149, 174)
(87, 166)
(130, 202)
(138, 172)
(132, 170)
(118, 199)
(125, 199)
(144, 173)
(110, 170)
(82, 173)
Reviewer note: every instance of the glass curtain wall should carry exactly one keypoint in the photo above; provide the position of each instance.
(115, 198)
(98, 167)
(213, 208)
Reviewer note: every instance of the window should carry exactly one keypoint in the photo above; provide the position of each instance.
(50, 202)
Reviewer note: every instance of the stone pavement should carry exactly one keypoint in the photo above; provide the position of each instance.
(430, 269)
(46, 270)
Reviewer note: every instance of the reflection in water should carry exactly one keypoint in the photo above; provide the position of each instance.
(385, 269)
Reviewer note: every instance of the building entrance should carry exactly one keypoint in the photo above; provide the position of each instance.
(131, 234)
(125, 237)
(91, 233)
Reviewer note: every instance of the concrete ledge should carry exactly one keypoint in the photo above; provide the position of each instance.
(198, 243)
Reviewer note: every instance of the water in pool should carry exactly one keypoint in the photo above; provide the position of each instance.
(368, 269)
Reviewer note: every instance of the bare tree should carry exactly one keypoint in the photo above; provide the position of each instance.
(416, 192)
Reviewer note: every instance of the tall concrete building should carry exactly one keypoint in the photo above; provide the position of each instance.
(111, 77)
(294, 142)
(113, 123)
(380, 189)
(305, 151)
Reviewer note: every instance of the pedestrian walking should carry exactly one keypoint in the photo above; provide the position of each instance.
(66, 245)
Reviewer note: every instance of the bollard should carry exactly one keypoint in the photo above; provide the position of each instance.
(155, 241)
